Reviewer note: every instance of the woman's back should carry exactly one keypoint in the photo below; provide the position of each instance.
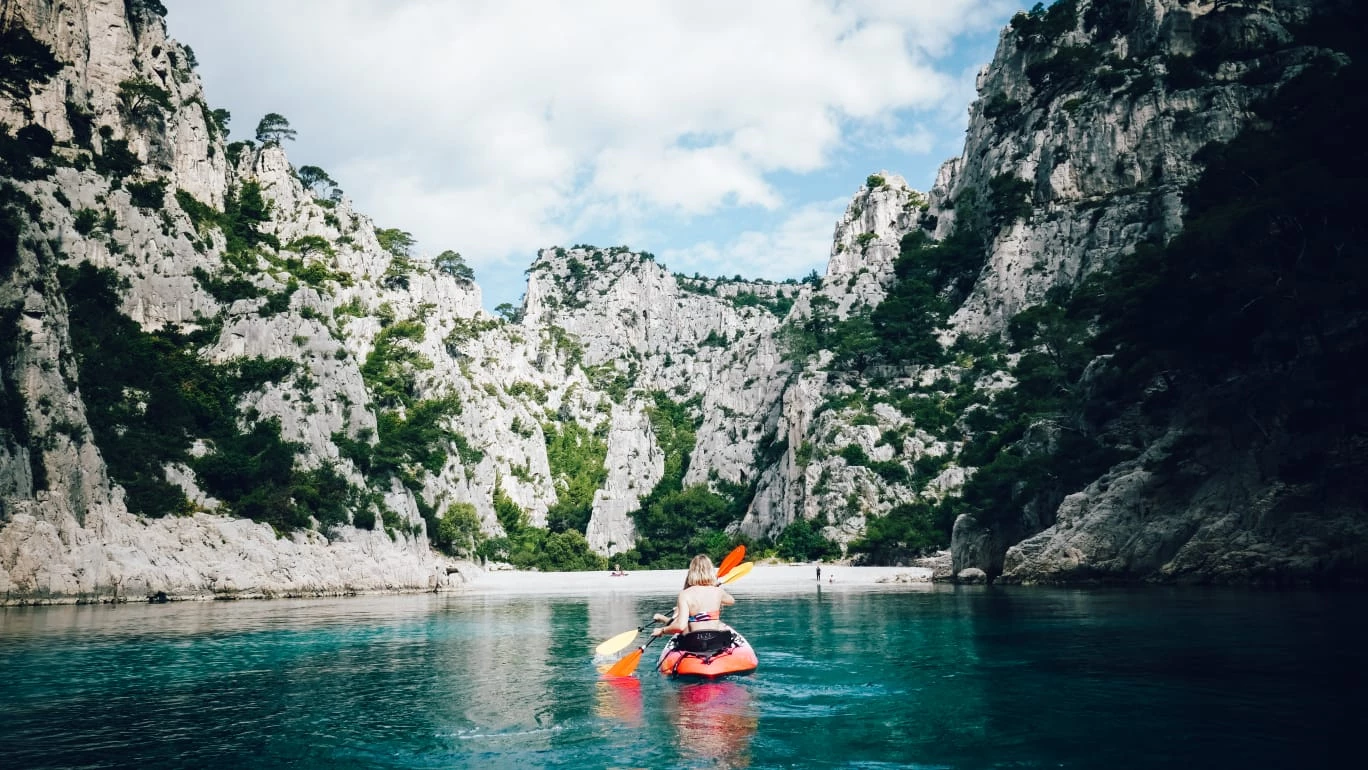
(702, 606)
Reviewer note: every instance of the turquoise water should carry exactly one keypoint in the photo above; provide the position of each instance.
(939, 677)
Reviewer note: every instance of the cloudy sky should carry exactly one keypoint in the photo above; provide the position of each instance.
(725, 137)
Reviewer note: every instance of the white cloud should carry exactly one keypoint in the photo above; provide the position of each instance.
(801, 242)
(494, 126)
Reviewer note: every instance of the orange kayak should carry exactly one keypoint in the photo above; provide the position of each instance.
(708, 654)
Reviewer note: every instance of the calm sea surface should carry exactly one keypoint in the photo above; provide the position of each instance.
(930, 677)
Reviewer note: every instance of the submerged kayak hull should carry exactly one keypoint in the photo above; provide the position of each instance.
(739, 658)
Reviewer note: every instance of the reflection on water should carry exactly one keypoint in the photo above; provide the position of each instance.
(619, 700)
(714, 721)
(938, 677)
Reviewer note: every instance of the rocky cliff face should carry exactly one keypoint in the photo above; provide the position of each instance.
(133, 136)
(1099, 111)
(394, 415)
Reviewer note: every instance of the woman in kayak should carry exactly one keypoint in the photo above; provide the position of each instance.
(699, 607)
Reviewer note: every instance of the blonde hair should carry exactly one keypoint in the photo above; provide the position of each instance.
(701, 572)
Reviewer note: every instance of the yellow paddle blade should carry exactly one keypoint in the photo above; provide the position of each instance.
(731, 560)
(736, 574)
(617, 643)
(627, 665)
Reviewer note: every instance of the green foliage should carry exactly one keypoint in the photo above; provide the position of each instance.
(311, 244)
(22, 155)
(674, 523)
(115, 160)
(274, 129)
(82, 123)
(508, 312)
(801, 541)
(200, 214)
(1009, 199)
(147, 195)
(779, 304)
(906, 532)
(453, 264)
(234, 150)
(457, 532)
(576, 458)
(219, 119)
(315, 179)
(1000, 109)
(1180, 73)
(227, 290)
(1107, 18)
(931, 280)
(14, 427)
(1068, 68)
(24, 64)
(142, 99)
(86, 220)
(874, 181)
(413, 441)
(853, 454)
(149, 395)
(527, 547)
(1271, 258)
(389, 367)
(244, 210)
(395, 241)
(150, 7)
(1043, 26)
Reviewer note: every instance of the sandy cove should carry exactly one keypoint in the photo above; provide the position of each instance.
(764, 578)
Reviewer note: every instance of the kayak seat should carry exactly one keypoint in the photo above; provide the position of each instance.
(705, 641)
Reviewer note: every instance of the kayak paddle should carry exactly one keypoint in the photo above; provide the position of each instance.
(627, 665)
(731, 560)
(738, 573)
(618, 642)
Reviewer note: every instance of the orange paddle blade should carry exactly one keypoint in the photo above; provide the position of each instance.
(627, 665)
(731, 560)
(738, 573)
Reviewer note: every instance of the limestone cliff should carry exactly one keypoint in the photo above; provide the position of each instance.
(1096, 114)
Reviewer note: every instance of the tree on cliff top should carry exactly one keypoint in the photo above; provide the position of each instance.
(274, 129)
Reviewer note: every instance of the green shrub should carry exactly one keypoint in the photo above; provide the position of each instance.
(24, 63)
(576, 458)
(115, 160)
(905, 532)
(458, 531)
(86, 221)
(801, 541)
(200, 214)
(1068, 68)
(148, 395)
(1042, 26)
(147, 195)
(853, 454)
(390, 366)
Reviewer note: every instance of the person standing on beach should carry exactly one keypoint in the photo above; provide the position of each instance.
(819, 574)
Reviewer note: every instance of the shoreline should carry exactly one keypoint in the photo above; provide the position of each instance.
(764, 578)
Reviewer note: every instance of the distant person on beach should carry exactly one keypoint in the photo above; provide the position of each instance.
(617, 571)
(699, 606)
(819, 574)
